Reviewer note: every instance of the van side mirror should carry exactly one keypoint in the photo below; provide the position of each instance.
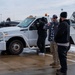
(31, 28)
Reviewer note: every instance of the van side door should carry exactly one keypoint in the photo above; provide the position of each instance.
(72, 27)
(33, 36)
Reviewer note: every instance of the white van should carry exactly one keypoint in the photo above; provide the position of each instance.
(24, 35)
(72, 29)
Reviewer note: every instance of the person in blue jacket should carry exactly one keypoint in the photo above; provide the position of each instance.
(53, 26)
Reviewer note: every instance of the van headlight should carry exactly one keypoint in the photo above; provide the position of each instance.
(1, 36)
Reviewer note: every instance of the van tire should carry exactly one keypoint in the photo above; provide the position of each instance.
(3, 52)
(6, 52)
(15, 47)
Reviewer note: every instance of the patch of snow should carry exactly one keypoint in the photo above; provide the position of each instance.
(27, 50)
(72, 49)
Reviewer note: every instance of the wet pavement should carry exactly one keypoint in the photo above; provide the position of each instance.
(29, 63)
(37, 71)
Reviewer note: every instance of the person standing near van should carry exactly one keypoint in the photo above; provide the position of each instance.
(62, 39)
(42, 34)
(53, 26)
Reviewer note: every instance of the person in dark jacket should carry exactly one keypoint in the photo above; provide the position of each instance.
(42, 33)
(62, 39)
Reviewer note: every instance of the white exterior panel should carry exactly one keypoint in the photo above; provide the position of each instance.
(2, 45)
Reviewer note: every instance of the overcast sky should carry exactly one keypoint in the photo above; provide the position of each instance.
(20, 9)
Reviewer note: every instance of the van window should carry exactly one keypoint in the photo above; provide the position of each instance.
(73, 18)
(33, 26)
(36, 23)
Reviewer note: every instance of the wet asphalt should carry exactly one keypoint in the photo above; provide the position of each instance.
(39, 71)
(29, 63)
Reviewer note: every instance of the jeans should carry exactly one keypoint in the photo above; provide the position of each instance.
(62, 54)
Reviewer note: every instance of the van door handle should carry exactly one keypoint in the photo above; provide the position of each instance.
(24, 30)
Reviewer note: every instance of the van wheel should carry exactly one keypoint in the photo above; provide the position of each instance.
(15, 47)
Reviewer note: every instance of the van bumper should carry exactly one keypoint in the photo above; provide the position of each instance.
(2, 45)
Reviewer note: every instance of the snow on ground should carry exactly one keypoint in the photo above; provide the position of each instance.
(72, 49)
(26, 50)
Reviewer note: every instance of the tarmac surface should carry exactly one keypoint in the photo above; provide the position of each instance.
(32, 64)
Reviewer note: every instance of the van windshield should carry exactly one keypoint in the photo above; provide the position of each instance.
(73, 18)
(26, 22)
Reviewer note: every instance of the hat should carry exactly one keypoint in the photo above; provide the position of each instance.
(54, 16)
(63, 14)
(43, 18)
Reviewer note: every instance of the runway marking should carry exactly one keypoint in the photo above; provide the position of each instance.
(67, 59)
